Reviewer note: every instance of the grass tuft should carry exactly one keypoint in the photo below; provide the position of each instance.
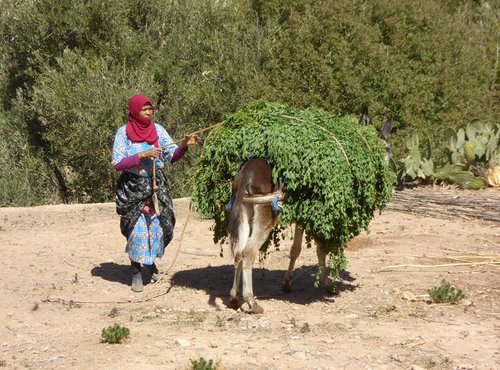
(445, 293)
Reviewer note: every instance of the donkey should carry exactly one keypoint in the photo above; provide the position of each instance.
(249, 224)
(251, 220)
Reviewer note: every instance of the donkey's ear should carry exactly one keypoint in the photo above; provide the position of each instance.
(384, 133)
(365, 117)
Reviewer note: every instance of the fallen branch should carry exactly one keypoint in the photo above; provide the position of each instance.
(442, 265)
(446, 205)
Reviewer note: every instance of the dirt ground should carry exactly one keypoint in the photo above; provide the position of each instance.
(65, 277)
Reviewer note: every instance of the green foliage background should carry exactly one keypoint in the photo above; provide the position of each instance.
(67, 69)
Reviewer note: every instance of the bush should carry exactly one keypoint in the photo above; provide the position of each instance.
(445, 293)
(114, 334)
(202, 364)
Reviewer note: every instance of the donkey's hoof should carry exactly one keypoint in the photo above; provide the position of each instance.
(331, 289)
(256, 309)
(234, 303)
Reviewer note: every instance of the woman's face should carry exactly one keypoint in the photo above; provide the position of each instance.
(146, 111)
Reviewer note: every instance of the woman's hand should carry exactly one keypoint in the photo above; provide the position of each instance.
(150, 153)
(190, 140)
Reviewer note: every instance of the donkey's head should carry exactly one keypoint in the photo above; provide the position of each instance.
(384, 133)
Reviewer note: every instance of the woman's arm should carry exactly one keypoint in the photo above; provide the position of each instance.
(128, 162)
(179, 153)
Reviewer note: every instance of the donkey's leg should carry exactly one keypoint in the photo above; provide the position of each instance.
(324, 278)
(294, 254)
(248, 297)
(262, 224)
(243, 236)
(235, 290)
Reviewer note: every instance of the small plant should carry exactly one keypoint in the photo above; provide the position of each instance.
(306, 328)
(35, 307)
(75, 279)
(446, 293)
(220, 321)
(114, 334)
(202, 364)
(3, 363)
(113, 313)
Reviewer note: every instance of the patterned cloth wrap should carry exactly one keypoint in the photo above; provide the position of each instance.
(132, 192)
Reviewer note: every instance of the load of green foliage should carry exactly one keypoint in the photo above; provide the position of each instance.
(333, 170)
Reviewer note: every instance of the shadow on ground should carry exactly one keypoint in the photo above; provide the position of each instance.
(217, 282)
(116, 273)
(113, 272)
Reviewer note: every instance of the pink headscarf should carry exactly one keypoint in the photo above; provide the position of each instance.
(140, 129)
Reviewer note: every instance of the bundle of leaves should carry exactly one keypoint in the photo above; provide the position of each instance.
(333, 169)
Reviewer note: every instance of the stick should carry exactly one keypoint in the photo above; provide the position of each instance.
(194, 133)
(443, 265)
(156, 204)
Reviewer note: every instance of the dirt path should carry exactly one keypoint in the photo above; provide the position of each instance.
(65, 277)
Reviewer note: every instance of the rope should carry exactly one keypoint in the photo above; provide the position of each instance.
(152, 294)
(364, 139)
(180, 242)
(194, 133)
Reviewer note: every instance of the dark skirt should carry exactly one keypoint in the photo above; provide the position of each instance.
(132, 191)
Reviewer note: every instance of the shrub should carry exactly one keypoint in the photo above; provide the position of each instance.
(202, 364)
(114, 334)
(445, 293)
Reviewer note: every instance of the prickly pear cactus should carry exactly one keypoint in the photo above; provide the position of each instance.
(470, 150)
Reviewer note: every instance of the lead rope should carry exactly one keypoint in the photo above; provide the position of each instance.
(153, 293)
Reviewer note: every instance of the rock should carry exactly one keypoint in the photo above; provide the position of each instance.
(160, 344)
(182, 342)
(467, 302)
(300, 355)
(351, 316)
(407, 296)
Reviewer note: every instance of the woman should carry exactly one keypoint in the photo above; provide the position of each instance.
(146, 215)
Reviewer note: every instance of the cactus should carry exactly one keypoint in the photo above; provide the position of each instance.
(479, 142)
(470, 150)
(415, 167)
